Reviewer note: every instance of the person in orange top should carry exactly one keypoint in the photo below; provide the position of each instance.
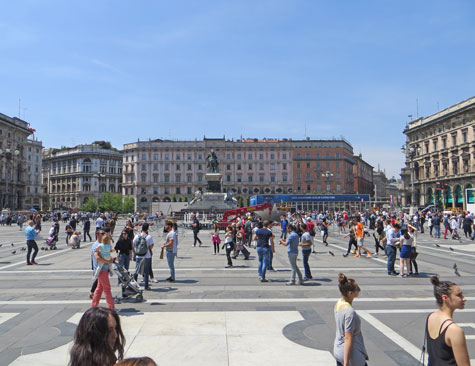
(359, 233)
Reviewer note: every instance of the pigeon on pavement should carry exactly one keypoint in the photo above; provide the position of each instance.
(452, 249)
(437, 245)
(12, 244)
(456, 270)
(331, 253)
(13, 251)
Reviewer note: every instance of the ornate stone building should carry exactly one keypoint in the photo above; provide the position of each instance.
(13, 136)
(72, 175)
(440, 157)
(164, 170)
(34, 158)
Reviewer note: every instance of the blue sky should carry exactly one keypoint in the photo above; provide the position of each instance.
(123, 70)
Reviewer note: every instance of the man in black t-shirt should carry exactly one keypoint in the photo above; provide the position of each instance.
(196, 229)
(265, 245)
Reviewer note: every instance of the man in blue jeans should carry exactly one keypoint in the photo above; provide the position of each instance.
(171, 248)
(292, 243)
(145, 267)
(391, 240)
(265, 245)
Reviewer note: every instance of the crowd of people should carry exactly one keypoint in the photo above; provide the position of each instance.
(391, 233)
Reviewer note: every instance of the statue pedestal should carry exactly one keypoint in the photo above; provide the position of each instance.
(213, 181)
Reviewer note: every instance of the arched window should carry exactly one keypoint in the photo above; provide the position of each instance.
(111, 187)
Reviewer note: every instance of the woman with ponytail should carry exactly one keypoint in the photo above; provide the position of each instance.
(446, 342)
(349, 348)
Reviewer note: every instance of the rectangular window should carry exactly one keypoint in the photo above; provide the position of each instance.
(434, 142)
(298, 165)
(464, 136)
(199, 166)
(126, 158)
(272, 156)
(167, 157)
(144, 156)
(188, 190)
(228, 166)
(307, 175)
(167, 178)
(249, 156)
(144, 178)
(299, 176)
(167, 166)
(261, 178)
(239, 156)
(228, 156)
(239, 178)
(454, 139)
(249, 166)
(189, 157)
(261, 156)
(228, 178)
(249, 178)
(308, 165)
(272, 178)
(327, 164)
(166, 190)
(284, 178)
(284, 166)
(284, 156)
(155, 156)
(337, 155)
(178, 167)
(298, 155)
(177, 156)
(155, 178)
(272, 166)
(189, 178)
(239, 167)
(155, 167)
(328, 188)
(444, 143)
(337, 164)
(189, 167)
(155, 190)
(177, 178)
(200, 178)
(318, 155)
(178, 190)
(261, 166)
(144, 168)
(338, 188)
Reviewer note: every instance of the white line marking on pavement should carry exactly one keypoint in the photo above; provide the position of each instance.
(43, 256)
(7, 316)
(192, 269)
(411, 311)
(391, 334)
(206, 301)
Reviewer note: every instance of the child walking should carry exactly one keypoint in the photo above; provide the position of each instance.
(216, 240)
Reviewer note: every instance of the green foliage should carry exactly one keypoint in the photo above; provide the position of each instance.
(240, 201)
(90, 205)
(248, 201)
(110, 202)
(128, 205)
(174, 198)
(180, 199)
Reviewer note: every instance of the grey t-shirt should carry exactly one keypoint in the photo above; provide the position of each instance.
(348, 321)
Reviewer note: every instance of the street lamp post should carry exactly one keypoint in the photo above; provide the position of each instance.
(327, 175)
(411, 151)
(8, 155)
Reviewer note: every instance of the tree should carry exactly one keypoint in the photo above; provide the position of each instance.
(248, 201)
(174, 198)
(90, 205)
(110, 202)
(128, 205)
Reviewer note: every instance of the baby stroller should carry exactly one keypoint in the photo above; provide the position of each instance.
(130, 287)
(51, 243)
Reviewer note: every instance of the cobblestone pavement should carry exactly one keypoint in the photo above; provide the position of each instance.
(217, 316)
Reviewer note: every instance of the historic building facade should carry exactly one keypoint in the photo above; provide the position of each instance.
(166, 170)
(34, 158)
(440, 157)
(322, 166)
(13, 162)
(362, 176)
(73, 175)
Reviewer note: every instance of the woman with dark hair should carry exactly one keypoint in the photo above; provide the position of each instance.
(349, 348)
(446, 344)
(229, 244)
(98, 340)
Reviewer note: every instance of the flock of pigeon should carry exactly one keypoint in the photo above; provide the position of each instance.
(456, 271)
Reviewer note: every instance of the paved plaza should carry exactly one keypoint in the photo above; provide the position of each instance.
(217, 316)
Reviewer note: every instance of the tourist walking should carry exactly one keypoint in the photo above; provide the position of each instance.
(265, 244)
(143, 247)
(436, 225)
(31, 234)
(229, 245)
(103, 284)
(348, 348)
(359, 234)
(86, 227)
(412, 230)
(292, 244)
(324, 228)
(406, 240)
(351, 241)
(171, 249)
(392, 237)
(123, 247)
(446, 344)
(306, 244)
(196, 226)
(216, 240)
